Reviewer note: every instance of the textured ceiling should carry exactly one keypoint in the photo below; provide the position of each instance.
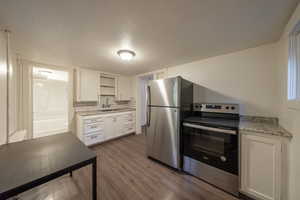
(163, 33)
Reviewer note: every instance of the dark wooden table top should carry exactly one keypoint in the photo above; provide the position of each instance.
(27, 161)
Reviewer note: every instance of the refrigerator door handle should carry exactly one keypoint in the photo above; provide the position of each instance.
(148, 106)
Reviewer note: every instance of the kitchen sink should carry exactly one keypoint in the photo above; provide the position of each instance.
(108, 110)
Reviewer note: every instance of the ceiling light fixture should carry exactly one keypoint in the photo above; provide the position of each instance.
(126, 54)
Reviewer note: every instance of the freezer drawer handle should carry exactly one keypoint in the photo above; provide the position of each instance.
(232, 132)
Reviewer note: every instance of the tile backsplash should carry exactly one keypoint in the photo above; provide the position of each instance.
(104, 100)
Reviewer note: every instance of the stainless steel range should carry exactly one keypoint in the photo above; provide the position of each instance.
(210, 145)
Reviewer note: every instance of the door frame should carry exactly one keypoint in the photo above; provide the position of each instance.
(27, 75)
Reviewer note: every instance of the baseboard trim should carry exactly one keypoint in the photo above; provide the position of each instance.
(245, 197)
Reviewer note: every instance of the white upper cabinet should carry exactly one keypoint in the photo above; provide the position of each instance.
(261, 171)
(91, 84)
(125, 90)
(87, 85)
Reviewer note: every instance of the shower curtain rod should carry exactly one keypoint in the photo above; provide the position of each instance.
(7, 82)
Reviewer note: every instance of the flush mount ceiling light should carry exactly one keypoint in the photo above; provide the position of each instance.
(126, 54)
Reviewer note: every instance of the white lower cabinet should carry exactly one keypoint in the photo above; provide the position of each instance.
(93, 138)
(261, 166)
(119, 126)
(99, 128)
(125, 123)
(110, 127)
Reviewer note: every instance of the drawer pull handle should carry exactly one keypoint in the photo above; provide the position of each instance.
(205, 157)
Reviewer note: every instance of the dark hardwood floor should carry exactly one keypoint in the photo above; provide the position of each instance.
(124, 173)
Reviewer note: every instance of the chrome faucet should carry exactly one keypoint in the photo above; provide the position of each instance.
(106, 105)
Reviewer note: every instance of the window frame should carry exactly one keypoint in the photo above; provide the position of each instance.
(70, 71)
(293, 71)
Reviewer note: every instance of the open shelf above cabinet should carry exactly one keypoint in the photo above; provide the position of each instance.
(108, 85)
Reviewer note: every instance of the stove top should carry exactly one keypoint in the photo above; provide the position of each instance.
(215, 115)
(214, 122)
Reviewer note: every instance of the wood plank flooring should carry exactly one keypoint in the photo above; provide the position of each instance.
(124, 173)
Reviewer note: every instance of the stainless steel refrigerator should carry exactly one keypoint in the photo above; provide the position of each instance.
(168, 102)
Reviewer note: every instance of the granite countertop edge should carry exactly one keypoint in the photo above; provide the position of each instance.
(263, 125)
(103, 112)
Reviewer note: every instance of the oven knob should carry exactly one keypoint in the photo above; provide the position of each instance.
(227, 107)
(223, 158)
(232, 108)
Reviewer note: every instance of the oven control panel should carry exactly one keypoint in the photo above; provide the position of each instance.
(216, 107)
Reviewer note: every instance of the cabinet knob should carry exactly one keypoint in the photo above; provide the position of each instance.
(223, 158)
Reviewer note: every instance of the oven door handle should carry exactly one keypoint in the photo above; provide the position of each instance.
(232, 132)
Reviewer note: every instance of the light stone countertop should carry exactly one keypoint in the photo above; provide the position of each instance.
(103, 112)
(263, 125)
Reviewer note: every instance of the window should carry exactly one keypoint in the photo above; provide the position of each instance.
(294, 64)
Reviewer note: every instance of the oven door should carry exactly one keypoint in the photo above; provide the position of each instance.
(217, 147)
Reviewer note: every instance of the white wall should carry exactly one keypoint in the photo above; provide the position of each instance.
(246, 77)
(289, 118)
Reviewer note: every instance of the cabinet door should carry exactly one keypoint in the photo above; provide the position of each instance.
(261, 167)
(124, 88)
(87, 85)
(120, 122)
(126, 123)
(109, 127)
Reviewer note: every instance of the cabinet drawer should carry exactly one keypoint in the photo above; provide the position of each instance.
(95, 120)
(127, 128)
(88, 128)
(94, 138)
(129, 125)
(129, 117)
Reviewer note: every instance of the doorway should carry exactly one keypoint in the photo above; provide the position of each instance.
(50, 97)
